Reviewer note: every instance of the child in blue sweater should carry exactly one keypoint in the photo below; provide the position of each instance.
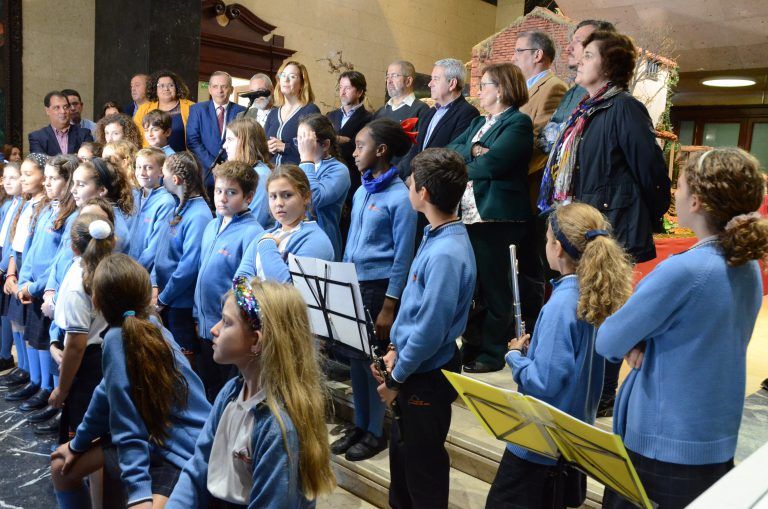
(328, 178)
(154, 206)
(289, 199)
(685, 333)
(245, 141)
(22, 231)
(150, 402)
(225, 239)
(102, 178)
(561, 367)
(49, 233)
(265, 444)
(433, 313)
(380, 244)
(177, 260)
(12, 190)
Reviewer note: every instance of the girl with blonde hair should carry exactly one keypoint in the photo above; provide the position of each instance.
(561, 367)
(272, 416)
(685, 333)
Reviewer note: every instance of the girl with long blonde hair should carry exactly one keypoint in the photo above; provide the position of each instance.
(265, 443)
(560, 366)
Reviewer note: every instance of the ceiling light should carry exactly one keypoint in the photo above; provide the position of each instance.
(728, 82)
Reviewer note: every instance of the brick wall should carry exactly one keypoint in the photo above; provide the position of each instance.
(500, 47)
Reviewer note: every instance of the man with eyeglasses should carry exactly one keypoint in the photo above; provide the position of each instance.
(262, 105)
(76, 110)
(60, 136)
(448, 118)
(534, 54)
(402, 102)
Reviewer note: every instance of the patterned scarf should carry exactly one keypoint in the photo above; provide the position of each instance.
(557, 182)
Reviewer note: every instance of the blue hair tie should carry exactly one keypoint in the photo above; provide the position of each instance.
(129, 313)
(567, 246)
(591, 234)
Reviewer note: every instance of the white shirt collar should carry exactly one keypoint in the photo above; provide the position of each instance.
(407, 101)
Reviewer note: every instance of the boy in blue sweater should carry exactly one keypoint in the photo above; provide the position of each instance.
(225, 239)
(685, 333)
(433, 313)
(154, 206)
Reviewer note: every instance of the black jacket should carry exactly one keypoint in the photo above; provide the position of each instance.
(621, 172)
(454, 122)
(44, 140)
(359, 118)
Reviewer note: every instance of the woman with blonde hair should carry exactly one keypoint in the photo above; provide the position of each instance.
(245, 141)
(560, 367)
(294, 99)
(272, 416)
(122, 153)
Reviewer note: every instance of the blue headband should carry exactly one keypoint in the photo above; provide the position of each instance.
(567, 246)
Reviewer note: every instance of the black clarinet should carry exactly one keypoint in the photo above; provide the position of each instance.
(381, 367)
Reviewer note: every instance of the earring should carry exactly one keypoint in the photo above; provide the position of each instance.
(255, 352)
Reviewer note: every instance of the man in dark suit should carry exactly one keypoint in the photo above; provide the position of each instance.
(448, 118)
(348, 121)
(351, 117)
(139, 83)
(59, 137)
(207, 123)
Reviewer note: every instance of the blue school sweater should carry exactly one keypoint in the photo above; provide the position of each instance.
(435, 303)
(152, 213)
(122, 230)
(260, 203)
(220, 257)
(309, 241)
(329, 182)
(275, 467)
(381, 235)
(561, 367)
(178, 255)
(112, 411)
(42, 247)
(14, 207)
(696, 315)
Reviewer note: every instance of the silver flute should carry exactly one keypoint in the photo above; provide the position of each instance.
(519, 323)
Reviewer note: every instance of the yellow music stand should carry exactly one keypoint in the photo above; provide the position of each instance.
(541, 428)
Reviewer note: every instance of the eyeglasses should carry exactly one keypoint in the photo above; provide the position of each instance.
(288, 77)
(394, 76)
(166, 86)
(484, 84)
(520, 50)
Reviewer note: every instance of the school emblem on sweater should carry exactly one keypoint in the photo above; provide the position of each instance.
(223, 251)
(415, 400)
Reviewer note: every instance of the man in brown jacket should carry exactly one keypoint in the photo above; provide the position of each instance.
(534, 54)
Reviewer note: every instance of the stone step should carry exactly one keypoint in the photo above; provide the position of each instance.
(369, 480)
(473, 451)
(342, 499)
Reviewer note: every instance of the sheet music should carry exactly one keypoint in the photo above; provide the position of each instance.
(335, 284)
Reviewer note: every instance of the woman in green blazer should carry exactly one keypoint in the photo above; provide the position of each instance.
(497, 210)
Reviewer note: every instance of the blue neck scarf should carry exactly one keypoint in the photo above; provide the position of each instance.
(378, 184)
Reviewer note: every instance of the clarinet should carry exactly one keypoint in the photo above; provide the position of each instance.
(519, 323)
(381, 367)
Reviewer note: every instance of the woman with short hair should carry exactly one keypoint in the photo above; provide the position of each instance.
(496, 209)
(167, 92)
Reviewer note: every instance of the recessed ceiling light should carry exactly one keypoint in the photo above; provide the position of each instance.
(728, 82)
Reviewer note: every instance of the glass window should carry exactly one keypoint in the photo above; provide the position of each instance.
(721, 134)
(686, 132)
(759, 147)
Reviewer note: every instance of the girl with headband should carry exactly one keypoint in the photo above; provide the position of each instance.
(100, 177)
(150, 406)
(685, 333)
(265, 443)
(560, 366)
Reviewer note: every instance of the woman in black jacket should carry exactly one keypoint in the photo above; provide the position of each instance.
(606, 155)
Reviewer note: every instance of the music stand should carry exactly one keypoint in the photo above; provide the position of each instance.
(527, 422)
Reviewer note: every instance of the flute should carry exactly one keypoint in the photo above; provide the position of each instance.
(519, 323)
